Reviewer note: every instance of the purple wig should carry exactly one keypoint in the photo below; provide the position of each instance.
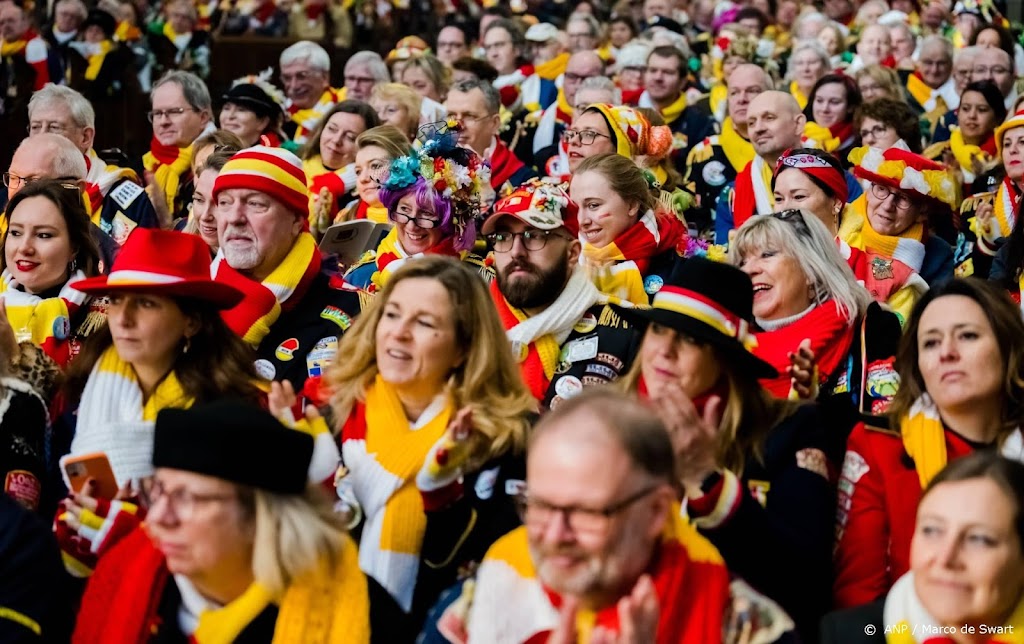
(430, 200)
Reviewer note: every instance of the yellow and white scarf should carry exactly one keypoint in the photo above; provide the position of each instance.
(965, 154)
(671, 113)
(114, 419)
(800, 97)
(47, 321)
(100, 178)
(383, 460)
(905, 620)
(96, 59)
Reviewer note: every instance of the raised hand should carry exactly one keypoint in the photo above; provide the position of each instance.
(694, 435)
(803, 371)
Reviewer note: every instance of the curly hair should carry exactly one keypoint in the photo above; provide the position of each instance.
(895, 114)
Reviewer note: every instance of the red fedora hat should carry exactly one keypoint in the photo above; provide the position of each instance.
(163, 262)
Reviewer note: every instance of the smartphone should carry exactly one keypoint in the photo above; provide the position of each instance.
(80, 468)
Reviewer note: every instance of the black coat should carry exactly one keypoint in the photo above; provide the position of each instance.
(859, 625)
(780, 541)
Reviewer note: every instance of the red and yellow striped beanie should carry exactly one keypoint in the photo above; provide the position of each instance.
(274, 171)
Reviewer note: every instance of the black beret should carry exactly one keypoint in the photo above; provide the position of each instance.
(666, 23)
(253, 98)
(235, 441)
(101, 19)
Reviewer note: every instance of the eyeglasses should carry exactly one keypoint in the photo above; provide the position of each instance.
(876, 131)
(962, 74)
(426, 223)
(12, 180)
(173, 114)
(586, 137)
(794, 218)
(503, 242)
(902, 201)
(468, 118)
(989, 71)
(182, 502)
(538, 514)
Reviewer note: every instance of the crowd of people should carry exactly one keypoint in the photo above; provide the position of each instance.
(663, 321)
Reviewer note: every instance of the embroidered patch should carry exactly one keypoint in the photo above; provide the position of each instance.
(881, 268)
(653, 284)
(24, 488)
(813, 459)
(484, 487)
(590, 381)
(265, 368)
(568, 386)
(125, 193)
(601, 370)
(586, 324)
(336, 315)
(121, 227)
(612, 360)
(882, 381)
(854, 467)
(713, 173)
(286, 350)
(321, 355)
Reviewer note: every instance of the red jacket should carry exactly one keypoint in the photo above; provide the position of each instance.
(878, 495)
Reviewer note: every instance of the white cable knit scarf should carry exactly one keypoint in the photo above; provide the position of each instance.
(559, 318)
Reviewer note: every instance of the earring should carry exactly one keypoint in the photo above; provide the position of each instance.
(188, 345)
(73, 266)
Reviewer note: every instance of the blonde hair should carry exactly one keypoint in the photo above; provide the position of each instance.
(624, 177)
(294, 534)
(816, 252)
(387, 137)
(406, 97)
(433, 68)
(488, 379)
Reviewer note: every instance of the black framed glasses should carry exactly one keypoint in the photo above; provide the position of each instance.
(173, 114)
(537, 513)
(875, 132)
(585, 137)
(502, 242)
(426, 223)
(902, 201)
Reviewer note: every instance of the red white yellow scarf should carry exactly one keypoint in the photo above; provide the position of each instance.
(390, 256)
(307, 119)
(99, 179)
(280, 291)
(171, 167)
(510, 604)
(383, 452)
(46, 320)
(966, 153)
(619, 268)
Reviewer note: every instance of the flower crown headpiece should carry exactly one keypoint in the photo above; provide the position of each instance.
(262, 80)
(457, 175)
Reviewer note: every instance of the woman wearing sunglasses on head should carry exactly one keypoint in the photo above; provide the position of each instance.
(807, 303)
(433, 196)
(754, 468)
(814, 181)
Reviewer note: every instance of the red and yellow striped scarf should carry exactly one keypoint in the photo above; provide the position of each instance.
(99, 179)
(390, 256)
(538, 367)
(308, 118)
(264, 301)
(15, 47)
(619, 268)
(46, 321)
(171, 167)
(510, 604)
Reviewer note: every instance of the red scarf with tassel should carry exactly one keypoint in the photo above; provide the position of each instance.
(830, 336)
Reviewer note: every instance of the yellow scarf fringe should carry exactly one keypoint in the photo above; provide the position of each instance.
(168, 176)
(614, 276)
(282, 282)
(966, 153)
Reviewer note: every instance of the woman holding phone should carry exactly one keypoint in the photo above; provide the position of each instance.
(165, 346)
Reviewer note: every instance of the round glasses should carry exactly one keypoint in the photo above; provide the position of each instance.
(902, 201)
(532, 240)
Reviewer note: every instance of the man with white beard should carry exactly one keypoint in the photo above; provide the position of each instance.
(291, 314)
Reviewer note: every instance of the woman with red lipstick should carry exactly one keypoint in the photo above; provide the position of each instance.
(961, 390)
(47, 247)
(754, 468)
(434, 418)
(998, 242)
(966, 562)
(629, 248)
